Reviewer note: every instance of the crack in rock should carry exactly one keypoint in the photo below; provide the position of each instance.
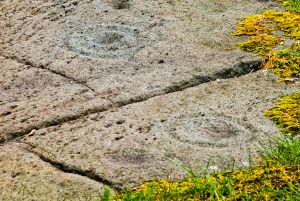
(67, 168)
(53, 122)
(44, 67)
(121, 4)
(237, 70)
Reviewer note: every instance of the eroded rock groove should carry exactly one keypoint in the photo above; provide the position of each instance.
(67, 168)
(44, 67)
(237, 70)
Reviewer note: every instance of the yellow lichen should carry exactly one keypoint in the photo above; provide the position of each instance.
(286, 114)
(261, 44)
(287, 22)
(286, 63)
(269, 21)
(296, 46)
(253, 25)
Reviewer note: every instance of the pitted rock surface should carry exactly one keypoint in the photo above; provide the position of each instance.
(86, 92)
(144, 141)
(25, 177)
(209, 129)
(118, 55)
(111, 41)
(34, 97)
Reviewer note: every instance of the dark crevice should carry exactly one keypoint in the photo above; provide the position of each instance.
(68, 168)
(121, 4)
(44, 67)
(237, 70)
(17, 135)
(240, 69)
(234, 71)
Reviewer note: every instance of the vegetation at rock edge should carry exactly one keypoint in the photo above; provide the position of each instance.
(276, 177)
(275, 36)
(286, 114)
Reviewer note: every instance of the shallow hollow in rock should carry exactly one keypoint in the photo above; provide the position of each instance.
(100, 40)
(210, 130)
(139, 141)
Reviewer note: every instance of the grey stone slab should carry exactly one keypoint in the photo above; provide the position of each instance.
(215, 121)
(32, 98)
(86, 54)
(122, 53)
(24, 176)
(68, 66)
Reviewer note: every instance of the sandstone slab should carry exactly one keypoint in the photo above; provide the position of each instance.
(86, 93)
(24, 176)
(113, 53)
(139, 142)
(31, 98)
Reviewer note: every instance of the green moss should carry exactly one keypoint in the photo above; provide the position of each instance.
(292, 5)
(285, 63)
(286, 114)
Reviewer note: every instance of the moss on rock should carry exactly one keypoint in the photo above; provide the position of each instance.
(263, 28)
(286, 114)
(261, 44)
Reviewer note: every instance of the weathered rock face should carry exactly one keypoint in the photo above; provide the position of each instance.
(111, 55)
(138, 142)
(25, 177)
(34, 97)
(86, 87)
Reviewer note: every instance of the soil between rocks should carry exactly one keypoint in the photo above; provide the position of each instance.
(86, 93)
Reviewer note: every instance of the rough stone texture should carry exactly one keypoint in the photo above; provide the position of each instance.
(34, 97)
(25, 177)
(137, 142)
(119, 54)
(85, 90)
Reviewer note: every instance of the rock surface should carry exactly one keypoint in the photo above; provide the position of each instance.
(86, 93)
(138, 142)
(24, 176)
(115, 55)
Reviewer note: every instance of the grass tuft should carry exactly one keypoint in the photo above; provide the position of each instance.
(292, 5)
(277, 177)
